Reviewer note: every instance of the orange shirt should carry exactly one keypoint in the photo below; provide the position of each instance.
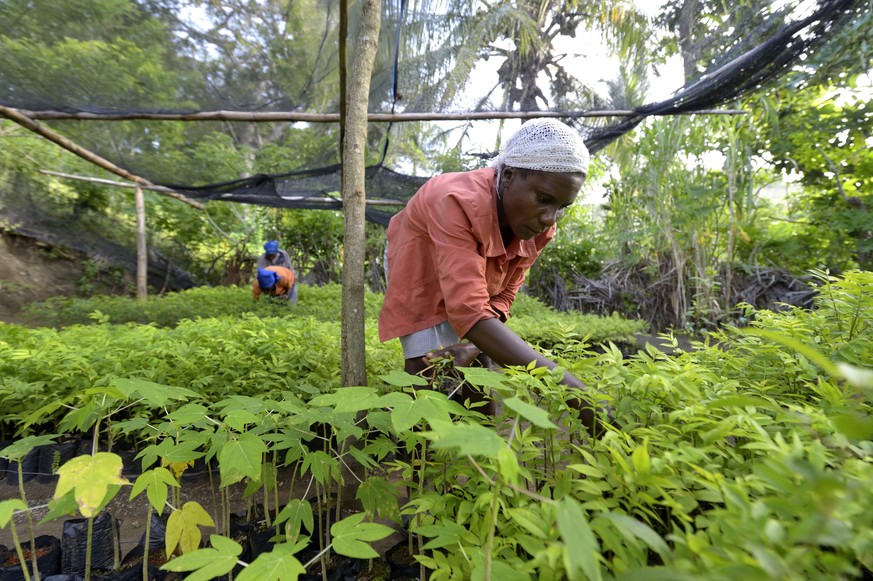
(283, 285)
(446, 259)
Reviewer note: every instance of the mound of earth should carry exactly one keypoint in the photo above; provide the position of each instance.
(31, 271)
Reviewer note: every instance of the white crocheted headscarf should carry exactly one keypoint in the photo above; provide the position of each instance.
(545, 145)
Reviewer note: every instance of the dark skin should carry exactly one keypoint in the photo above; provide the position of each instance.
(529, 203)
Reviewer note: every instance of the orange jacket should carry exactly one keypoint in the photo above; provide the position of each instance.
(283, 285)
(446, 258)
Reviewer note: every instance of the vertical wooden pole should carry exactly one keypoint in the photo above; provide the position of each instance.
(142, 258)
(354, 371)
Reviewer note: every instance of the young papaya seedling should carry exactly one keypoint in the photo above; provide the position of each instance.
(8, 508)
(16, 452)
(91, 482)
(155, 483)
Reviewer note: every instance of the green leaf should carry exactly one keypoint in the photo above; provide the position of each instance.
(348, 399)
(811, 353)
(395, 398)
(482, 377)
(183, 527)
(58, 507)
(536, 416)
(240, 419)
(500, 570)
(280, 564)
(531, 521)
(445, 534)
(189, 413)
(16, 451)
(320, 465)
(299, 512)
(207, 563)
(155, 394)
(241, 458)
(186, 451)
(472, 439)
(379, 497)
(350, 535)
(155, 482)
(854, 426)
(399, 378)
(8, 508)
(407, 414)
(90, 477)
(580, 545)
(632, 528)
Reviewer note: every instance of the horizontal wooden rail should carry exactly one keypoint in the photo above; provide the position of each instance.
(335, 117)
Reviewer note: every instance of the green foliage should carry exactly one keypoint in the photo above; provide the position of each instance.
(542, 325)
(155, 482)
(162, 311)
(350, 536)
(314, 241)
(575, 250)
(749, 455)
(821, 135)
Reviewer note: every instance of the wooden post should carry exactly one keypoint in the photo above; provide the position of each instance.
(354, 369)
(142, 257)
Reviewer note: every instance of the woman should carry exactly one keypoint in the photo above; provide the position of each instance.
(459, 252)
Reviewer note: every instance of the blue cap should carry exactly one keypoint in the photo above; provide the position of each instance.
(267, 279)
(271, 246)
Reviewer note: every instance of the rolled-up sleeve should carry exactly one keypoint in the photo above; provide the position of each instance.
(461, 265)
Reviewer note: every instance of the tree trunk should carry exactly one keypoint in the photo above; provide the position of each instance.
(354, 370)
(690, 48)
(142, 258)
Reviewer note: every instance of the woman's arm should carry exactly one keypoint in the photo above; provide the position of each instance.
(503, 346)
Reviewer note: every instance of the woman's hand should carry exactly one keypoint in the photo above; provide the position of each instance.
(462, 354)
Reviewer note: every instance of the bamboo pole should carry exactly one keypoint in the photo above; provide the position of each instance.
(296, 116)
(329, 202)
(58, 139)
(142, 258)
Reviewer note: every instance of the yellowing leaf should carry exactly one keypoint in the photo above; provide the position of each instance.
(90, 478)
(183, 527)
(641, 460)
(177, 468)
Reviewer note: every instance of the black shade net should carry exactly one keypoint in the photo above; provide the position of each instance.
(139, 90)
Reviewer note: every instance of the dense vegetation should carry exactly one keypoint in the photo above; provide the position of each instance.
(688, 201)
(746, 457)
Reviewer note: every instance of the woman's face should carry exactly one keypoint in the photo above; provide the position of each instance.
(534, 200)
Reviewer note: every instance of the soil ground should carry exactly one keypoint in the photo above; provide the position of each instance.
(31, 272)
